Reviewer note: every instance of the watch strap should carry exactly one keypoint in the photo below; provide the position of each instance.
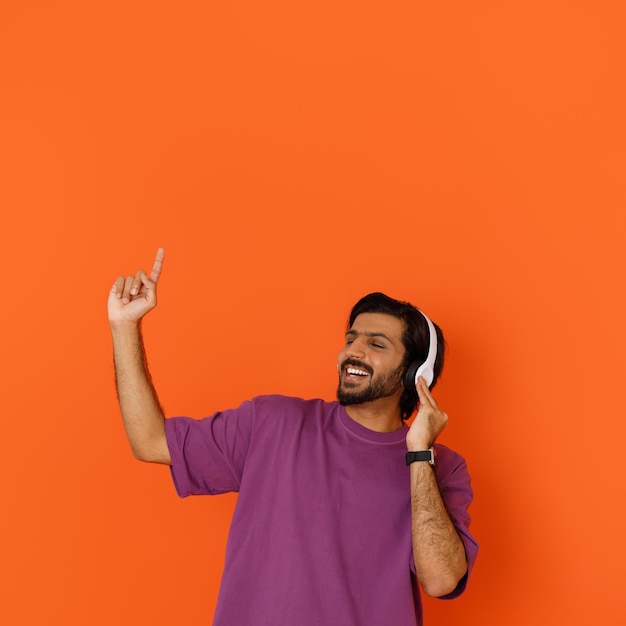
(421, 455)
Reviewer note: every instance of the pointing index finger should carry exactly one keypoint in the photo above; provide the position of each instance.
(158, 265)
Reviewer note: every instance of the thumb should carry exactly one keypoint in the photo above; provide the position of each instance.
(150, 287)
(145, 280)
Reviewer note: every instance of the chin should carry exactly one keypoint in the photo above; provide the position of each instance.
(347, 398)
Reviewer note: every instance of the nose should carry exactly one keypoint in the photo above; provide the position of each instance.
(355, 349)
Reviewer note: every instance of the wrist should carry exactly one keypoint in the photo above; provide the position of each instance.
(125, 327)
(416, 445)
(421, 455)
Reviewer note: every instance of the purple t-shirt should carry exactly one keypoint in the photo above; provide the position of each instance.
(321, 534)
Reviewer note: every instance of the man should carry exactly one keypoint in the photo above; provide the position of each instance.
(331, 527)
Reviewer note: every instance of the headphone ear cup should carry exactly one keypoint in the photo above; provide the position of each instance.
(409, 376)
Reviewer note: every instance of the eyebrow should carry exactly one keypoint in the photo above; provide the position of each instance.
(356, 333)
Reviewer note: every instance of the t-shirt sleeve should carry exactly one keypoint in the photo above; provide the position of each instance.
(456, 491)
(208, 455)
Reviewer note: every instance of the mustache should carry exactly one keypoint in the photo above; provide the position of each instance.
(356, 363)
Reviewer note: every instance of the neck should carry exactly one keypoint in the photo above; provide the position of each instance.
(382, 415)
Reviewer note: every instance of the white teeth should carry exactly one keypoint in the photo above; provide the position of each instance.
(355, 372)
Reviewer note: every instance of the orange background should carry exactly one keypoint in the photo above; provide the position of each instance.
(292, 157)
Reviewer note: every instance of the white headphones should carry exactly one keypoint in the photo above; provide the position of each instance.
(426, 369)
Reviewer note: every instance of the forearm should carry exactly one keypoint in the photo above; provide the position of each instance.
(438, 551)
(142, 415)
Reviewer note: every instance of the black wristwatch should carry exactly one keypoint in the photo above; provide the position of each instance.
(422, 455)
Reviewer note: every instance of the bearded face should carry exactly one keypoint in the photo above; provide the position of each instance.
(360, 383)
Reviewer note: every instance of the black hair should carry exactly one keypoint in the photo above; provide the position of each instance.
(415, 338)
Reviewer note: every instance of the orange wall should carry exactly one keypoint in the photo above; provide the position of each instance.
(291, 157)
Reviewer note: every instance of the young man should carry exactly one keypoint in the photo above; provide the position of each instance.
(331, 525)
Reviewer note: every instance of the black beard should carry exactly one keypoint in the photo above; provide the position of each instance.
(382, 386)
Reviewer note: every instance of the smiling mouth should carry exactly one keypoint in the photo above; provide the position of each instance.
(355, 371)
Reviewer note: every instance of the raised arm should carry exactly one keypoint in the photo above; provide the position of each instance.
(438, 551)
(130, 299)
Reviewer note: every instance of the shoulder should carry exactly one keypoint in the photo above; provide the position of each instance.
(289, 406)
(277, 418)
(450, 465)
(275, 408)
(448, 455)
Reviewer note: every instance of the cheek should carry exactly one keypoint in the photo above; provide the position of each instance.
(340, 359)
